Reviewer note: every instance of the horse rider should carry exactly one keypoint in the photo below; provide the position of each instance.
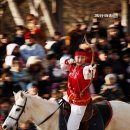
(79, 80)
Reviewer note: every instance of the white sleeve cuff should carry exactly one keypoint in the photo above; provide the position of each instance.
(87, 73)
(62, 63)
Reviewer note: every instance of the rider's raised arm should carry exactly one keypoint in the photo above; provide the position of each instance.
(65, 63)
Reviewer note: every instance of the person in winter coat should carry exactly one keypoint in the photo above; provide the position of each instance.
(20, 75)
(13, 50)
(31, 48)
(111, 89)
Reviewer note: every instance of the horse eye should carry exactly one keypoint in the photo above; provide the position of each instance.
(18, 109)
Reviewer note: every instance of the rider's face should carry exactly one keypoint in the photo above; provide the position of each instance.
(80, 60)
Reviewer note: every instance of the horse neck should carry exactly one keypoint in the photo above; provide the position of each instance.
(41, 108)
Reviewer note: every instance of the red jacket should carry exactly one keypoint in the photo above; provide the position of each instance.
(77, 83)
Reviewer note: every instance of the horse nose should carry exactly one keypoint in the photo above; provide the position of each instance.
(4, 126)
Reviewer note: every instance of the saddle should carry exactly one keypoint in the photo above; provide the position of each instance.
(96, 117)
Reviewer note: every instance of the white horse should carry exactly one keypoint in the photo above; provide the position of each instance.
(36, 109)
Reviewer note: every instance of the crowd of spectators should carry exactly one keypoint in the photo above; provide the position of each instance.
(28, 61)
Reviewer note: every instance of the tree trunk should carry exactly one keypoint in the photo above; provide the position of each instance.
(124, 12)
(2, 11)
(59, 18)
(15, 13)
(129, 18)
(36, 3)
(32, 8)
(48, 17)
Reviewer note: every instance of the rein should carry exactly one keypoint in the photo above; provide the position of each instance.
(23, 108)
(48, 117)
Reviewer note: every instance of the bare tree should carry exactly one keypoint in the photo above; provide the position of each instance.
(125, 14)
(48, 18)
(15, 13)
(32, 8)
(59, 15)
(43, 6)
(2, 11)
(129, 17)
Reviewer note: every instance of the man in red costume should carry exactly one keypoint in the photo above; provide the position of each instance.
(79, 79)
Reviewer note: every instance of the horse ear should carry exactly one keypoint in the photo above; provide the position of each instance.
(22, 94)
(14, 93)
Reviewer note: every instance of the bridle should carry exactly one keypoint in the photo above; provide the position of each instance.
(23, 110)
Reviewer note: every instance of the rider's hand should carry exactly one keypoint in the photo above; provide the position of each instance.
(93, 67)
(71, 61)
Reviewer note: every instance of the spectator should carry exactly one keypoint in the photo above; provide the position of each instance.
(8, 61)
(4, 41)
(102, 63)
(35, 28)
(31, 48)
(28, 125)
(38, 74)
(7, 85)
(32, 88)
(57, 75)
(103, 45)
(115, 61)
(120, 29)
(76, 38)
(5, 107)
(35, 68)
(111, 89)
(19, 35)
(12, 50)
(33, 24)
(20, 75)
(126, 77)
(58, 45)
(114, 39)
(54, 95)
(96, 30)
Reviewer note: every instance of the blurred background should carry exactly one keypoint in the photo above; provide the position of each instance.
(60, 15)
(36, 34)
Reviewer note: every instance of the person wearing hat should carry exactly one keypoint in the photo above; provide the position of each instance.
(32, 88)
(31, 48)
(111, 89)
(12, 50)
(79, 79)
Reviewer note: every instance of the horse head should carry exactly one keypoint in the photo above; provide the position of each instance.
(18, 111)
